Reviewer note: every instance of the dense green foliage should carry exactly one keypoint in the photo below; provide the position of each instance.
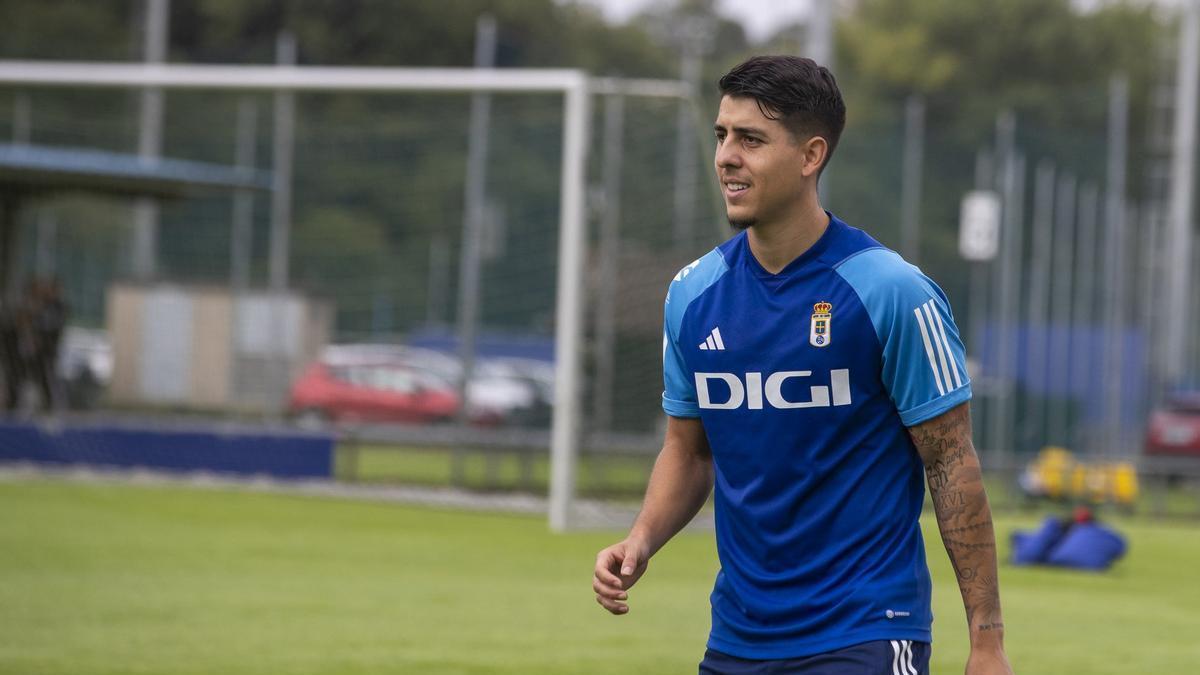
(1047, 63)
(112, 578)
(378, 178)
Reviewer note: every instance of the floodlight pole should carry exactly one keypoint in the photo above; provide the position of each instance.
(281, 191)
(818, 40)
(685, 154)
(471, 257)
(695, 37)
(1037, 308)
(145, 211)
(1060, 308)
(1083, 308)
(978, 292)
(1179, 234)
(819, 33)
(1114, 256)
(279, 243)
(1149, 265)
(1007, 296)
(910, 179)
(1004, 278)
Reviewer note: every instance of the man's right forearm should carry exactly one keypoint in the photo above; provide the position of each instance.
(679, 485)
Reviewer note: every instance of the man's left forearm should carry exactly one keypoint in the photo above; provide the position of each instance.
(964, 519)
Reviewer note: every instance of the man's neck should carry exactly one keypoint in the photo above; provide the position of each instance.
(774, 245)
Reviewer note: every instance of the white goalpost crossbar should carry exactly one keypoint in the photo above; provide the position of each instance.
(321, 78)
(577, 89)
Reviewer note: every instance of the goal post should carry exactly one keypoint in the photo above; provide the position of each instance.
(577, 88)
(568, 343)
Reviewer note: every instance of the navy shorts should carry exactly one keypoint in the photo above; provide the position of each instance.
(881, 657)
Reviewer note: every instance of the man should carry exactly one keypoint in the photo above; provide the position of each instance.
(811, 374)
(48, 317)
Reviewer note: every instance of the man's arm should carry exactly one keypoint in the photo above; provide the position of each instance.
(965, 521)
(679, 485)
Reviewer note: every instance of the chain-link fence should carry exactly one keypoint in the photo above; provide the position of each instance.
(1061, 328)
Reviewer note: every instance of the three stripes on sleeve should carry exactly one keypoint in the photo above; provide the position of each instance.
(937, 348)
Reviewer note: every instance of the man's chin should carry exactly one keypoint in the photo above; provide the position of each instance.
(741, 224)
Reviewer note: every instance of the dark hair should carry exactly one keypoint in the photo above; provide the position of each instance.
(792, 89)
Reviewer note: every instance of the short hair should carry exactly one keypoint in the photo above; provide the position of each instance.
(797, 91)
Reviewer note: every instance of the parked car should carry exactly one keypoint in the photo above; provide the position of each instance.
(502, 391)
(371, 392)
(1174, 429)
(528, 385)
(85, 366)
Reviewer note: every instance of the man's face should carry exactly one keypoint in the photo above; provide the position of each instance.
(760, 164)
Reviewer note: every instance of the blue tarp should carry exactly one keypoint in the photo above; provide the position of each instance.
(1087, 545)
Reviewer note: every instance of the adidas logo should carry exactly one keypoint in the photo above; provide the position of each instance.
(713, 341)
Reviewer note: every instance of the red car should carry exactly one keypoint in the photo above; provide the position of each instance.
(1174, 429)
(372, 392)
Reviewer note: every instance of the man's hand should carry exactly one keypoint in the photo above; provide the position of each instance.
(679, 484)
(618, 568)
(988, 662)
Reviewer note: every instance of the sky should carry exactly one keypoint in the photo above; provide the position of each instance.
(760, 17)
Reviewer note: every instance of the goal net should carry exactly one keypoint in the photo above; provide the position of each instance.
(396, 227)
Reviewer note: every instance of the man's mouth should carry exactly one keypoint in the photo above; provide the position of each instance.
(735, 188)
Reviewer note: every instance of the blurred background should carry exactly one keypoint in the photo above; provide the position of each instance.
(418, 250)
(381, 263)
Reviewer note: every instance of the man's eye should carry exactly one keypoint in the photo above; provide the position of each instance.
(750, 140)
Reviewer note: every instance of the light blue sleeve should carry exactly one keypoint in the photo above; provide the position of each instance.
(924, 363)
(679, 387)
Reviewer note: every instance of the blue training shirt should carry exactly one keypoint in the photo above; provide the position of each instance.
(806, 382)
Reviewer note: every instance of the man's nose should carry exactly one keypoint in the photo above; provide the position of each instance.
(727, 155)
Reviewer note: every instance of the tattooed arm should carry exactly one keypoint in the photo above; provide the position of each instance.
(965, 521)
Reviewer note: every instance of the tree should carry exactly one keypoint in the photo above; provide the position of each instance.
(1043, 59)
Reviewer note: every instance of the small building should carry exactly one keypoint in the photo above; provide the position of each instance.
(209, 347)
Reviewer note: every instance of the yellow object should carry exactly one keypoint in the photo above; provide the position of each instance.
(1052, 467)
(1097, 483)
(1124, 483)
(1078, 487)
(1058, 475)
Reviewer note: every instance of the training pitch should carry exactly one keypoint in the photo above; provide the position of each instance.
(111, 578)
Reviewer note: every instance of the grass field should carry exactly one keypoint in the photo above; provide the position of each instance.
(530, 472)
(101, 578)
(624, 476)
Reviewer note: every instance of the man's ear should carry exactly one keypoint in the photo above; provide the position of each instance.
(815, 150)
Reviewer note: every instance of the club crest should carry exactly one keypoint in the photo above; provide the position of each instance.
(818, 334)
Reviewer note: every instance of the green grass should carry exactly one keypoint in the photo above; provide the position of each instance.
(624, 476)
(131, 579)
(492, 470)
